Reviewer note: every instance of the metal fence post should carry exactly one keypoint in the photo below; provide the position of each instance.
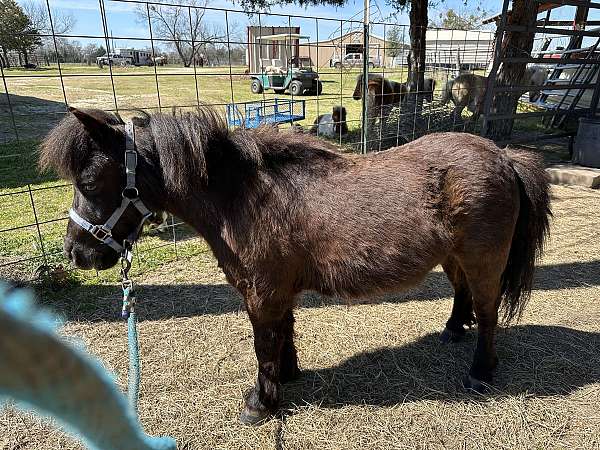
(365, 89)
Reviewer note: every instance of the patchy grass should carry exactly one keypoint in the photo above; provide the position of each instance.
(38, 102)
(375, 376)
(40, 92)
(136, 87)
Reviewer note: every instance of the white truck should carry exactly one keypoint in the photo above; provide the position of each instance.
(114, 59)
(353, 60)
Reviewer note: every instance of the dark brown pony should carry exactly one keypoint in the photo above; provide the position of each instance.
(331, 125)
(284, 213)
(383, 91)
(380, 90)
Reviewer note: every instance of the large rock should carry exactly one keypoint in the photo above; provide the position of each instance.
(574, 175)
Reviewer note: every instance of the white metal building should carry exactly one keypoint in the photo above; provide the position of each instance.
(473, 49)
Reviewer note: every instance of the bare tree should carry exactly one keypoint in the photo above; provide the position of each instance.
(183, 25)
(40, 19)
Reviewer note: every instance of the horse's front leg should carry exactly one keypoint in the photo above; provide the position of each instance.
(289, 369)
(270, 333)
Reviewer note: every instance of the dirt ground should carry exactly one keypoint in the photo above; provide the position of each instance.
(375, 375)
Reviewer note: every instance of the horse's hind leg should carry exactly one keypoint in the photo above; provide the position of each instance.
(462, 307)
(484, 278)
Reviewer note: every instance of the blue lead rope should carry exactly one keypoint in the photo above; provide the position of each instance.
(133, 374)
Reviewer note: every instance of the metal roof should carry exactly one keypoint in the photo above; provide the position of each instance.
(282, 37)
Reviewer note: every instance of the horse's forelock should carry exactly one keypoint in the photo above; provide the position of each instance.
(66, 148)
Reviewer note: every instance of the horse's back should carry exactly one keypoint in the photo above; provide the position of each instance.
(403, 211)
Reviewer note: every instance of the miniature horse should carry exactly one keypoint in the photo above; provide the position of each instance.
(284, 213)
(383, 91)
(380, 90)
(468, 90)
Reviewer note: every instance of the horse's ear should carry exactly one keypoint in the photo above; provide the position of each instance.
(95, 123)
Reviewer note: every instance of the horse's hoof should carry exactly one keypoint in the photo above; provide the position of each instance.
(475, 385)
(448, 336)
(253, 416)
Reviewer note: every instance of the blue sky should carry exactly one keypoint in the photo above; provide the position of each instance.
(123, 22)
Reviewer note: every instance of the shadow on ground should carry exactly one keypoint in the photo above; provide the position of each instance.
(156, 302)
(534, 360)
(33, 116)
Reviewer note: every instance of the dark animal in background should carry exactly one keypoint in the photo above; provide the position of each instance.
(427, 92)
(284, 213)
(381, 91)
(428, 89)
(331, 125)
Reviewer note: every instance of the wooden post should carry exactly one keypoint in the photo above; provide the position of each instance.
(515, 44)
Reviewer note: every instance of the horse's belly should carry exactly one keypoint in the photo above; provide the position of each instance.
(373, 262)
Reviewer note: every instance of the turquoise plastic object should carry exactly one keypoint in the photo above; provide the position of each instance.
(42, 372)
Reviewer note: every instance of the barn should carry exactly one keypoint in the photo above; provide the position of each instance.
(323, 52)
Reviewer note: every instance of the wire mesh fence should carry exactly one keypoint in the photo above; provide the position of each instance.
(291, 70)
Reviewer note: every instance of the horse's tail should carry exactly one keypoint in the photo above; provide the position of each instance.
(446, 92)
(530, 233)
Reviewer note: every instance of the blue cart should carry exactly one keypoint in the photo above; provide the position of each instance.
(273, 111)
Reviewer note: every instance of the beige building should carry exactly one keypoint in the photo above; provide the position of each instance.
(323, 52)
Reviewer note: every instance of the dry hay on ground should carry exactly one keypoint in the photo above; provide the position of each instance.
(375, 376)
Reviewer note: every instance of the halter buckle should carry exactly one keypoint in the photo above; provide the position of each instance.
(100, 232)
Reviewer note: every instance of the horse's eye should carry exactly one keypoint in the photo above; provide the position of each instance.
(88, 187)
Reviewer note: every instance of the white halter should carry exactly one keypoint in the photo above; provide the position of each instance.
(130, 195)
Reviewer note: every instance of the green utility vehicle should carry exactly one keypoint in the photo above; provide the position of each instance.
(286, 73)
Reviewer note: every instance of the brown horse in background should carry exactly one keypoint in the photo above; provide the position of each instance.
(284, 213)
(383, 91)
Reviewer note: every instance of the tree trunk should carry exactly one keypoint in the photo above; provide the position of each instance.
(514, 44)
(186, 62)
(417, 31)
(6, 60)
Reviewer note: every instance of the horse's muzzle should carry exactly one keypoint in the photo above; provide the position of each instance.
(89, 258)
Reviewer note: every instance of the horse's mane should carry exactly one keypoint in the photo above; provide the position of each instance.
(184, 145)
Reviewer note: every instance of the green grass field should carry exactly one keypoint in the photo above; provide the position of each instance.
(41, 91)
